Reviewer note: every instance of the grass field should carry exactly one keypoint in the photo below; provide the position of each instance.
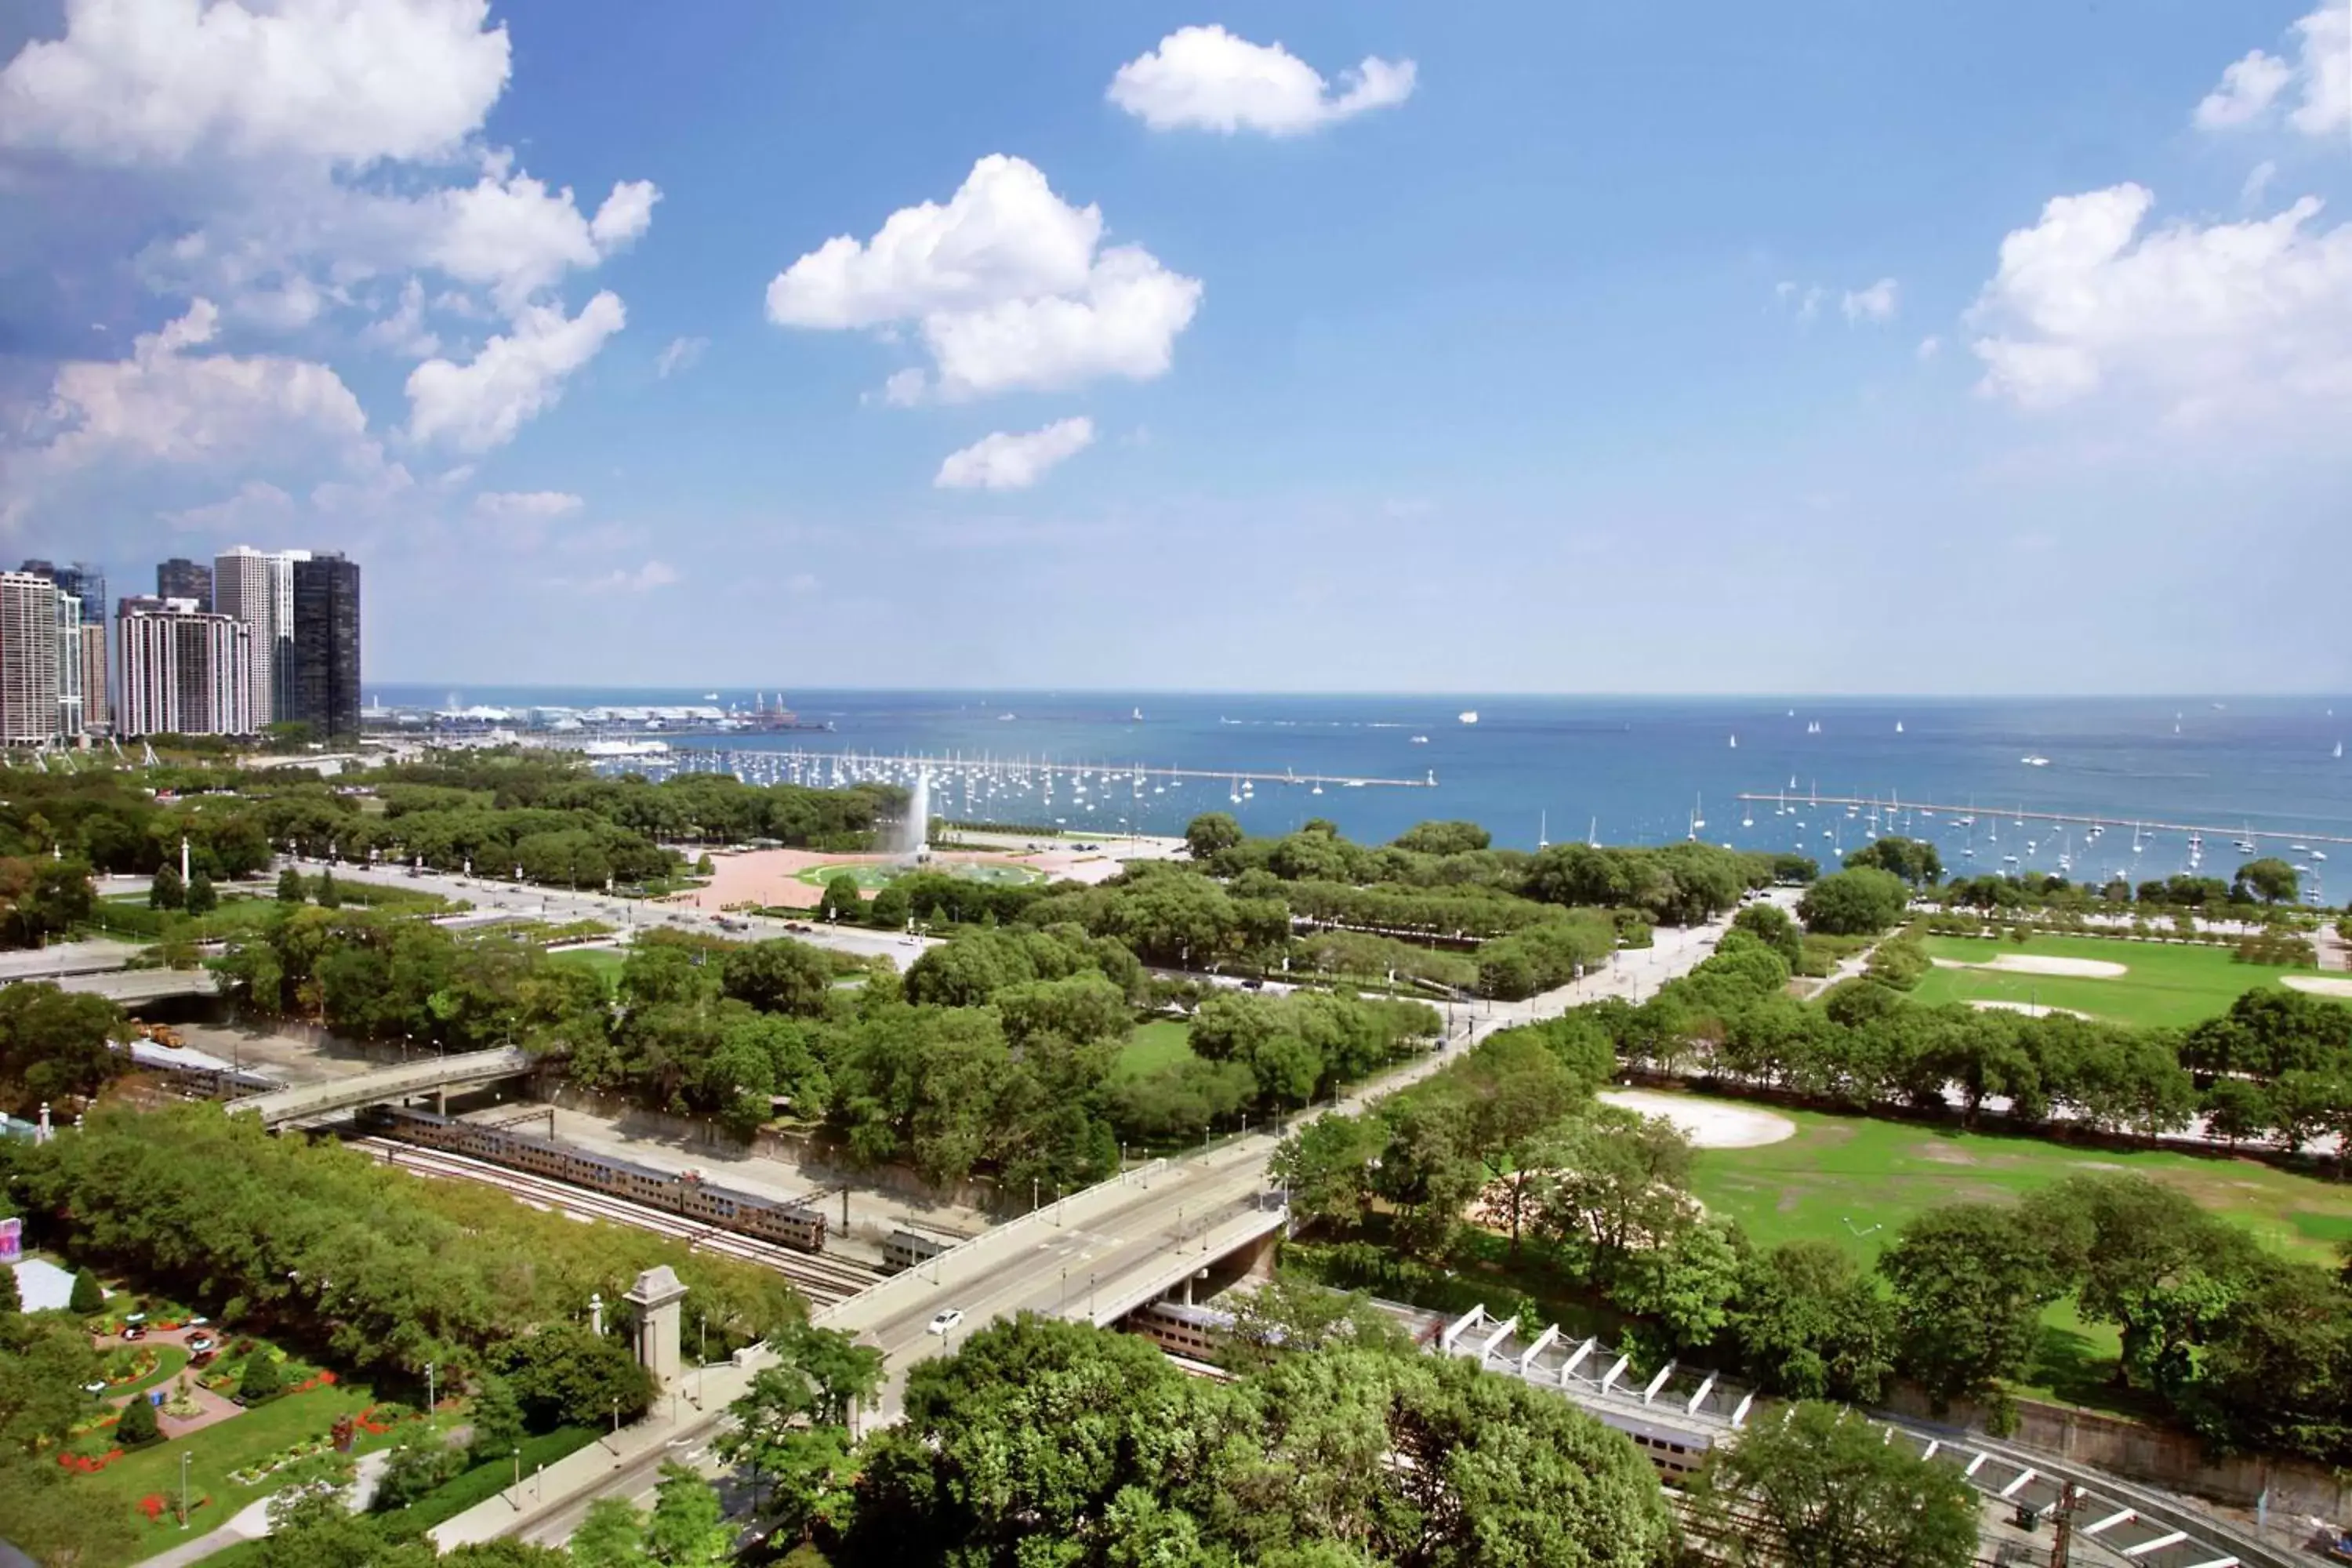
(2173, 986)
(216, 1450)
(1161, 1043)
(604, 962)
(1855, 1181)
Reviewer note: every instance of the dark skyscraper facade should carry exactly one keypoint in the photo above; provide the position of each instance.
(183, 579)
(326, 685)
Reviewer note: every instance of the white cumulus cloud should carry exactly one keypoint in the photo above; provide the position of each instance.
(1207, 78)
(1007, 285)
(165, 405)
(309, 164)
(2250, 318)
(2318, 80)
(1003, 461)
(480, 404)
(159, 83)
(1875, 303)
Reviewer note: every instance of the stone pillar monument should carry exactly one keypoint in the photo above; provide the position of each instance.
(656, 1296)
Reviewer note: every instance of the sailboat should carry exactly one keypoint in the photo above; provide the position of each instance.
(1593, 835)
(1899, 726)
(1698, 805)
(1543, 830)
(2339, 749)
(1735, 742)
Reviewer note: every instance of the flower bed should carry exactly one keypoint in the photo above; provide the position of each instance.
(89, 1465)
(159, 1510)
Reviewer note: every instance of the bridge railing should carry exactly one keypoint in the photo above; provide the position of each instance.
(971, 1257)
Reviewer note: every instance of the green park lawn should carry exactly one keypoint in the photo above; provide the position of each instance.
(605, 962)
(1161, 1043)
(2167, 984)
(1855, 1181)
(231, 1445)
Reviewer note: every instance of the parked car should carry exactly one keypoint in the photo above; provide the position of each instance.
(946, 1322)
(199, 1345)
(134, 1331)
(95, 1389)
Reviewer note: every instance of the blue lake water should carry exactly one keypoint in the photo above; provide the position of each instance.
(1629, 769)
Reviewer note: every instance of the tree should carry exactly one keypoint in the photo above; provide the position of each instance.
(166, 891)
(418, 1463)
(1770, 924)
(1514, 1090)
(2271, 880)
(1040, 1433)
(330, 897)
(1617, 1182)
(1853, 904)
(1326, 1169)
(1832, 1492)
(291, 889)
(2163, 1270)
(1210, 832)
(2278, 1371)
(1970, 1281)
(1290, 1317)
(11, 1299)
(264, 1378)
(41, 898)
(702, 866)
(565, 1373)
(201, 899)
(88, 1297)
(611, 1536)
(779, 976)
(891, 908)
(841, 901)
(687, 1529)
(1443, 839)
(1912, 859)
(136, 1428)
(1810, 1324)
(495, 1417)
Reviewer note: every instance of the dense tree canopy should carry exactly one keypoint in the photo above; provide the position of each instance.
(1042, 1435)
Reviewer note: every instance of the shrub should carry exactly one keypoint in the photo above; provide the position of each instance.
(137, 1426)
(264, 1379)
(88, 1296)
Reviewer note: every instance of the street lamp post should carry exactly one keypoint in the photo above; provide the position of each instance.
(432, 1397)
(518, 1476)
(184, 1457)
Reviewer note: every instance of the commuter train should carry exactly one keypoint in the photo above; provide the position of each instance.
(1195, 1334)
(796, 1226)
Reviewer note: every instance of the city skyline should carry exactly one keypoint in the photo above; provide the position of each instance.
(1381, 350)
(281, 645)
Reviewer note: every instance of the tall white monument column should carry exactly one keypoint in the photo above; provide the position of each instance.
(657, 1296)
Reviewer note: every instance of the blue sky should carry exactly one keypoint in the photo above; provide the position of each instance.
(1539, 347)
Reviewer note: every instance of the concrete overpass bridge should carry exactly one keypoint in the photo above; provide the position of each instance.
(132, 986)
(431, 1075)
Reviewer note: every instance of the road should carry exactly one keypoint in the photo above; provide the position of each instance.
(628, 916)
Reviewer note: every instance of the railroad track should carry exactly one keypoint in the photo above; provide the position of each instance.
(824, 1280)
